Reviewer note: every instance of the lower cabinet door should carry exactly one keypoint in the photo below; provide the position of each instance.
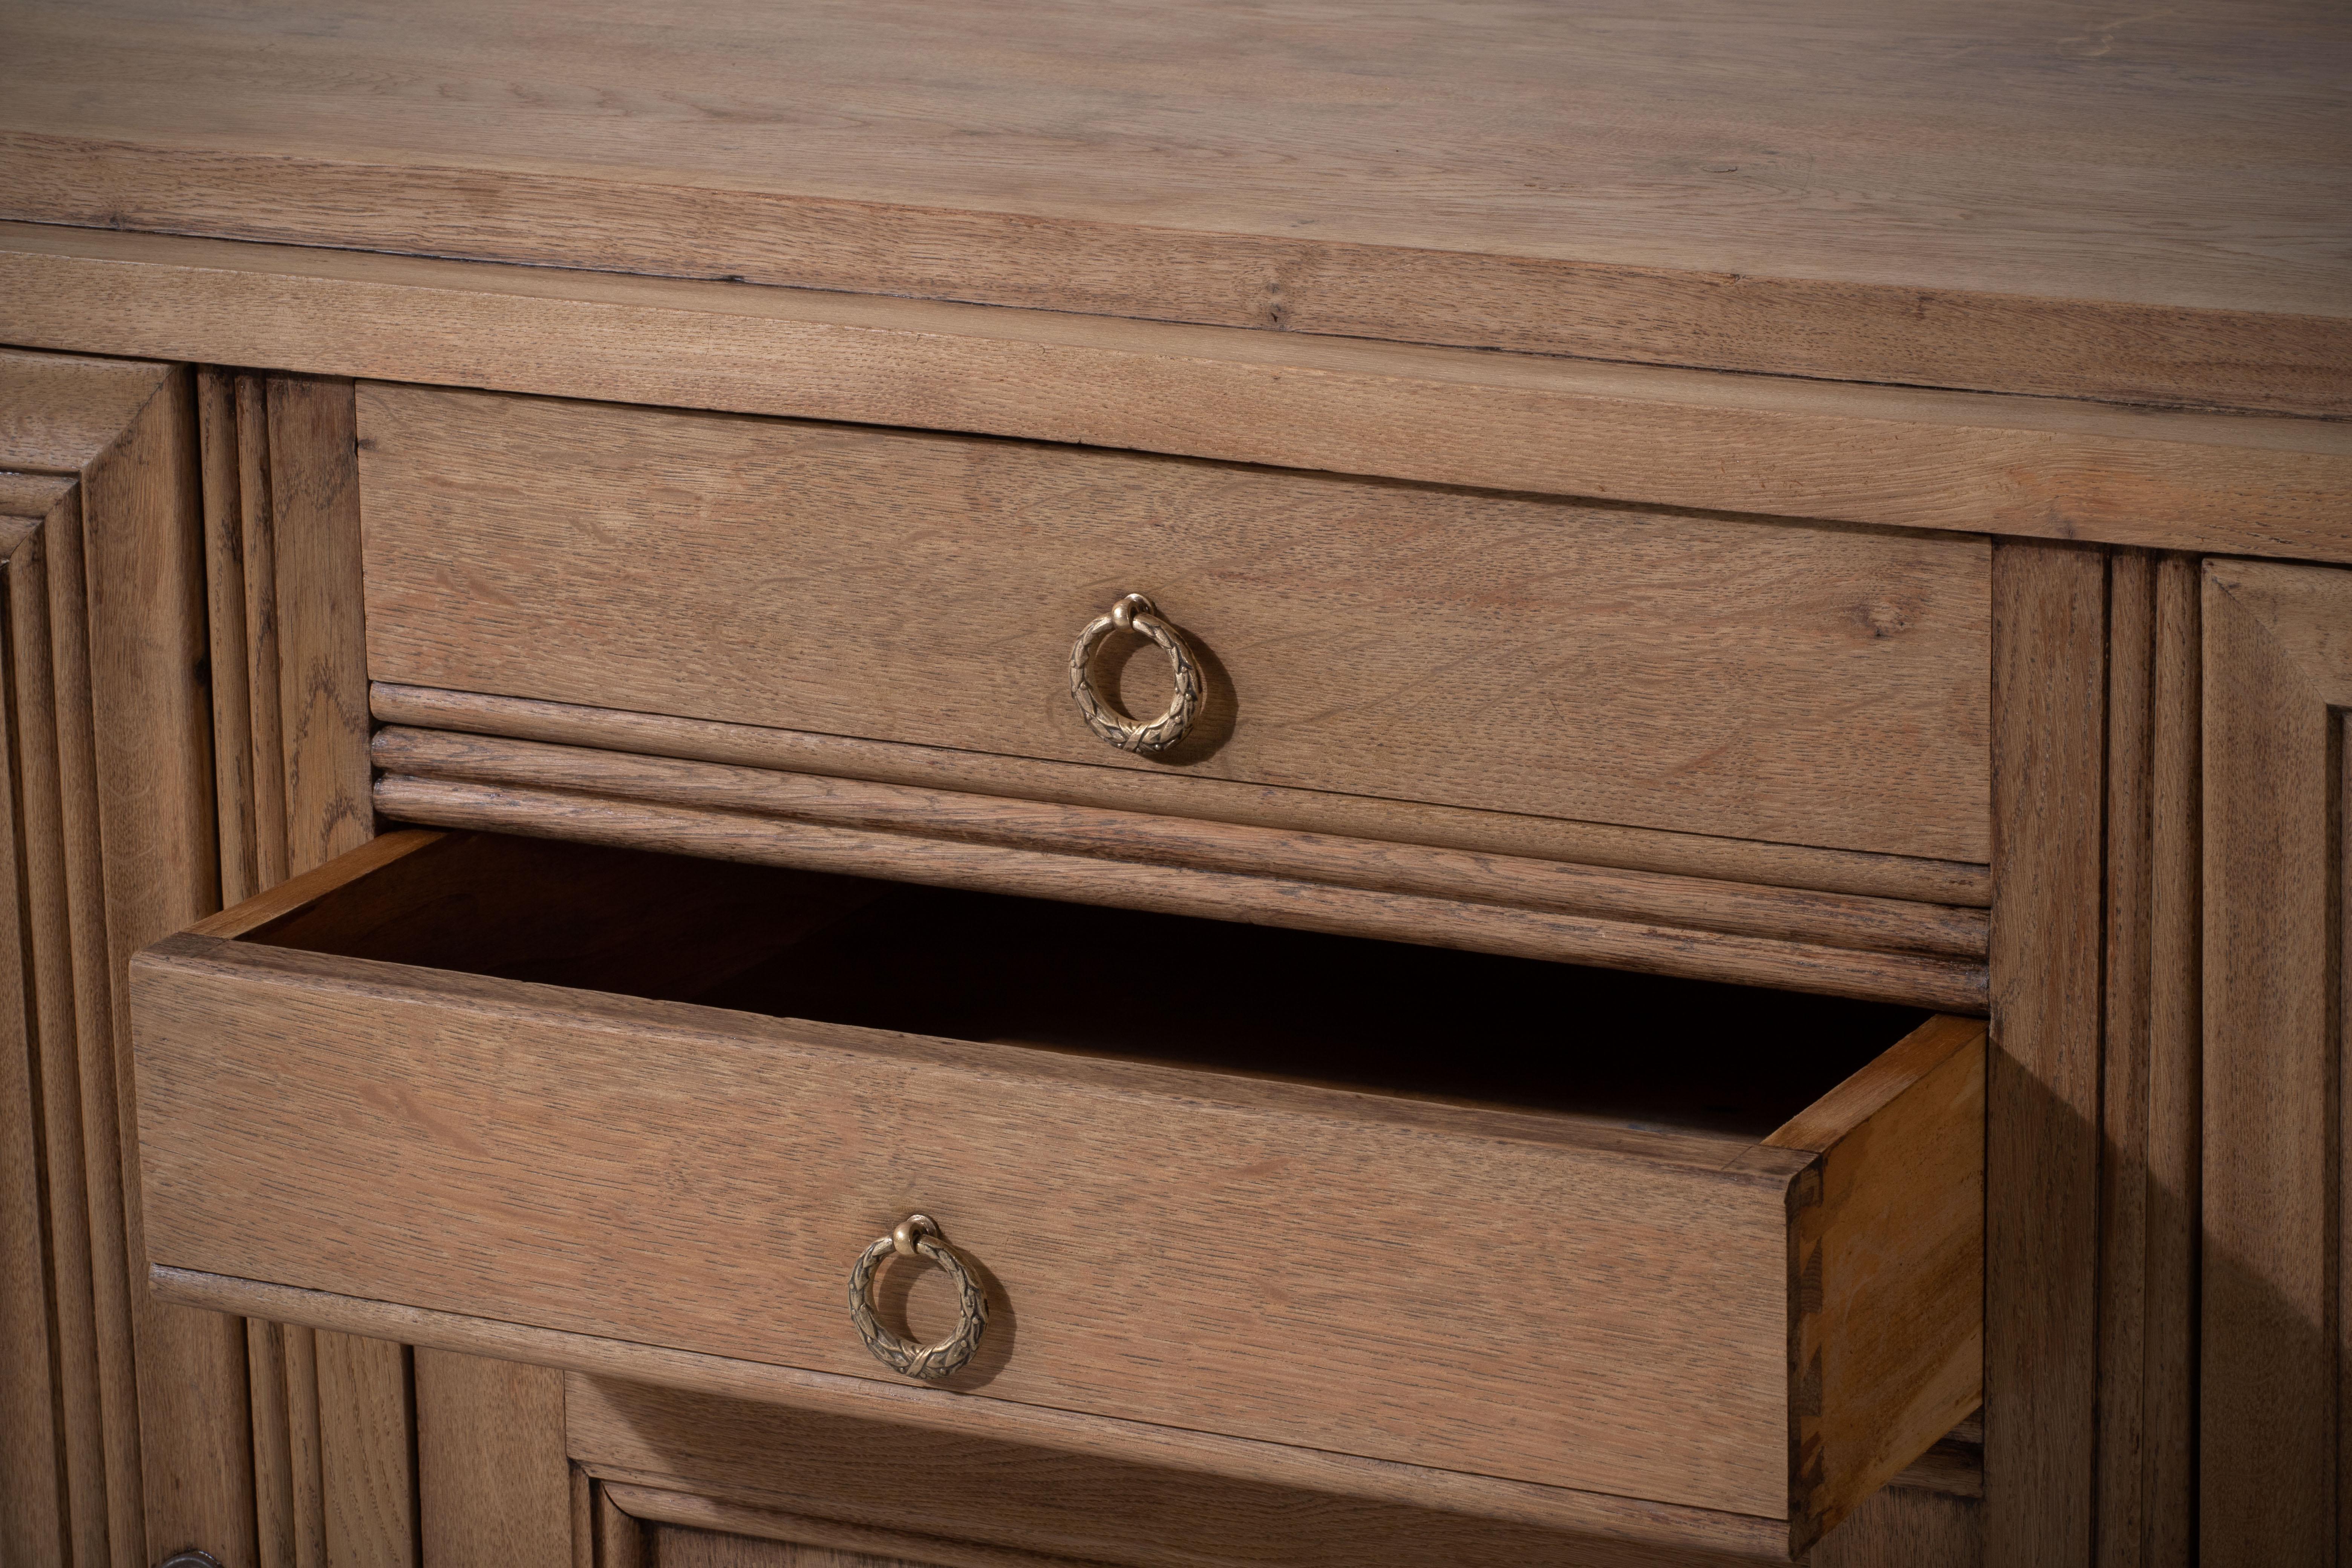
(1709, 1249)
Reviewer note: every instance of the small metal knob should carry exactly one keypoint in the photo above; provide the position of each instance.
(1134, 613)
(917, 1235)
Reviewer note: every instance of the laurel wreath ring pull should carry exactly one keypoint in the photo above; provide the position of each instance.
(917, 1235)
(1137, 613)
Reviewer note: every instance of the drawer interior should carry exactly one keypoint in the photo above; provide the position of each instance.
(1619, 1049)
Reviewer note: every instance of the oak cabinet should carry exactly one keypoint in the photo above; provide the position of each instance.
(1833, 503)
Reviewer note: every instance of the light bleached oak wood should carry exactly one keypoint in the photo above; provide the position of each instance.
(693, 1531)
(685, 1546)
(1816, 686)
(999, 1495)
(29, 497)
(311, 651)
(620, 1542)
(36, 1481)
(2343, 1237)
(76, 911)
(583, 1519)
(491, 1468)
(1923, 980)
(70, 1379)
(1663, 1526)
(61, 413)
(113, 817)
(230, 631)
(1901, 1528)
(149, 718)
(1958, 884)
(2167, 1520)
(2277, 666)
(2149, 1228)
(2124, 1097)
(336, 1474)
(241, 624)
(2041, 1162)
(1089, 1286)
(260, 652)
(314, 500)
(1886, 1270)
(1062, 1288)
(2024, 466)
(367, 1427)
(2063, 200)
(1831, 920)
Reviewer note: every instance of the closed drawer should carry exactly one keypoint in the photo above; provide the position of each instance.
(1713, 1248)
(1818, 686)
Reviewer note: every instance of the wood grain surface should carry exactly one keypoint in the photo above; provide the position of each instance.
(2055, 199)
(1831, 920)
(2043, 1155)
(691, 1546)
(314, 650)
(1091, 1320)
(36, 1482)
(47, 690)
(2149, 1228)
(1903, 1528)
(28, 498)
(2277, 666)
(1171, 1448)
(1952, 883)
(617, 1539)
(112, 818)
(694, 1531)
(61, 413)
(1886, 1271)
(149, 722)
(2165, 1519)
(1770, 445)
(1926, 980)
(988, 1495)
(291, 771)
(2125, 1099)
(367, 1436)
(491, 1470)
(322, 642)
(1816, 686)
(1417, 1358)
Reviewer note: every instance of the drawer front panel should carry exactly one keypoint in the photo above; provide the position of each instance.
(1803, 685)
(1307, 1266)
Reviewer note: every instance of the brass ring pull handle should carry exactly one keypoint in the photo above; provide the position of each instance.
(1134, 613)
(917, 1235)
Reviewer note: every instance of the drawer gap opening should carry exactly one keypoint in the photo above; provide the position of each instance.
(1607, 1045)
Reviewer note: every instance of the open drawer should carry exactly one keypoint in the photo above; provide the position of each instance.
(1712, 1249)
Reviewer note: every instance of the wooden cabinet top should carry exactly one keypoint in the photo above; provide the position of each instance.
(2066, 198)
